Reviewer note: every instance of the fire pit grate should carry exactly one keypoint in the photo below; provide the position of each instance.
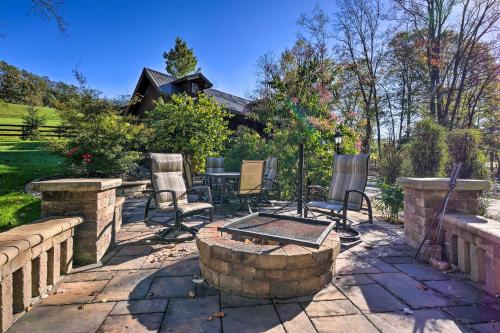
(282, 228)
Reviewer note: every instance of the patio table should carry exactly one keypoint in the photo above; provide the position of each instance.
(223, 176)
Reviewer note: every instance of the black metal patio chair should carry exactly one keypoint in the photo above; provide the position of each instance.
(346, 191)
(170, 194)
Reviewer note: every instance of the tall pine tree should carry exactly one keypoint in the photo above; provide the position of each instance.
(180, 60)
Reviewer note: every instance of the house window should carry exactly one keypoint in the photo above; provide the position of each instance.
(195, 88)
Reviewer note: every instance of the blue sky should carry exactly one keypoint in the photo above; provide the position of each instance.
(111, 41)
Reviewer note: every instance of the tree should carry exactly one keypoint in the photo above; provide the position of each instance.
(360, 47)
(197, 127)
(50, 9)
(453, 32)
(180, 60)
(32, 122)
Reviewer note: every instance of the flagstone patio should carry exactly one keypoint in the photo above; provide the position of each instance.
(145, 286)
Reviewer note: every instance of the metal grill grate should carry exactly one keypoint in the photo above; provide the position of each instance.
(286, 229)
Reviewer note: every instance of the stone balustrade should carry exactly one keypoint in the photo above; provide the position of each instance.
(470, 242)
(473, 244)
(93, 199)
(32, 259)
(423, 198)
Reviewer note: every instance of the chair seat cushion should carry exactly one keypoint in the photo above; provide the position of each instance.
(185, 208)
(335, 206)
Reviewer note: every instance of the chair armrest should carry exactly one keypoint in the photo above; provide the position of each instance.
(152, 196)
(200, 189)
(270, 180)
(174, 196)
(315, 187)
(363, 194)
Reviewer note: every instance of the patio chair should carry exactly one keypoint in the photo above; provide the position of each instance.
(214, 164)
(170, 194)
(270, 175)
(191, 180)
(347, 189)
(251, 182)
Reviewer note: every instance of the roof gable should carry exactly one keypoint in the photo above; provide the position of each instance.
(166, 84)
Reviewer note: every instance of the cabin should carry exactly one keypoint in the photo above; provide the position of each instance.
(153, 84)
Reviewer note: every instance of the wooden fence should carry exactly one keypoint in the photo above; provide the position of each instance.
(24, 132)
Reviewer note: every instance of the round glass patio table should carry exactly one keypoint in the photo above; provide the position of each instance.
(223, 176)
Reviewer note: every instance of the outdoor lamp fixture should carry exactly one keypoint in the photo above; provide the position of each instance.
(338, 141)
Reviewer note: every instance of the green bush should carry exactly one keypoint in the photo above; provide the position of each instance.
(247, 145)
(103, 142)
(464, 145)
(428, 149)
(108, 146)
(393, 163)
(195, 127)
(390, 201)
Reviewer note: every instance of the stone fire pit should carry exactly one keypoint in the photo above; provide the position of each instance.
(237, 266)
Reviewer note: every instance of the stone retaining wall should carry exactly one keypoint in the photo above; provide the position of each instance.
(95, 200)
(32, 258)
(264, 271)
(133, 188)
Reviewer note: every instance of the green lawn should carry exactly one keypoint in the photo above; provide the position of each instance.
(20, 163)
(12, 114)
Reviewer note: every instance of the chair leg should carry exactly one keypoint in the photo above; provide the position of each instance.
(370, 214)
(344, 218)
(211, 215)
(146, 210)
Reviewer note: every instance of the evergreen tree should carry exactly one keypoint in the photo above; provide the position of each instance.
(180, 60)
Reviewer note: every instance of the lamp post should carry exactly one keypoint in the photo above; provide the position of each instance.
(338, 141)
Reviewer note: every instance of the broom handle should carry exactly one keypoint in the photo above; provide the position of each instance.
(440, 215)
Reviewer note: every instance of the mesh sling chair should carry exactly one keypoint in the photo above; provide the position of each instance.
(270, 175)
(170, 194)
(191, 180)
(214, 164)
(347, 189)
(251, 182)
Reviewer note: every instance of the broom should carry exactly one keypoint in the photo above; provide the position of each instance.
(432, 248)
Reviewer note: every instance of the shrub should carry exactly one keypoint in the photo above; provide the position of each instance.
(195, 127)
(464, 145)
(108, 149)
(103, 143)
(32, 122)
(247, 145)
(428, 149)
(390, 201)
(393, 163)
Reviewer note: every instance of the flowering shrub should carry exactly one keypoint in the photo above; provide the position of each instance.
(103, 142)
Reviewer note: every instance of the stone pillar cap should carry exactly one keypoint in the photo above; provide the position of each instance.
(443, 184)
(75, 185)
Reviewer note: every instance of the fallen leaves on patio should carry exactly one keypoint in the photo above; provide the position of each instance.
(191, 294)
(81, 307)
(219, 314)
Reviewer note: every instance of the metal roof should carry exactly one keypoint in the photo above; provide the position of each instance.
(164, 82)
